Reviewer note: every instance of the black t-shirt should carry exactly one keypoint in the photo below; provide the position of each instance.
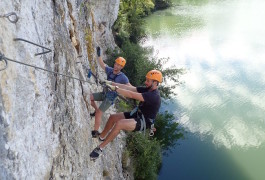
(151, 104)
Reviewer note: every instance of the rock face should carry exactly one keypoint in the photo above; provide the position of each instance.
(45, 127)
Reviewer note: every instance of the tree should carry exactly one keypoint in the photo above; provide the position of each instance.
(129, 24)
(162, 4)
(167, 131)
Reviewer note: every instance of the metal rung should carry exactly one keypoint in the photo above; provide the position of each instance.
(44, 52)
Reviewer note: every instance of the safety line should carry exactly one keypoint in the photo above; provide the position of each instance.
(2, 56)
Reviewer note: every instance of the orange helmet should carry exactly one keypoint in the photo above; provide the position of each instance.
(154, 75)
(121, 61)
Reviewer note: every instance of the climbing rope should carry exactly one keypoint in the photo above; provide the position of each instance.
(2, 57)
(12, 17)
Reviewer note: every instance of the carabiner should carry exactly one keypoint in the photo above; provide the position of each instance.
(9, 17)
(152, 133)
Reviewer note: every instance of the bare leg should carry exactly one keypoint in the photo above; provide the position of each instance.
(98, 119)
(93, 104)
(111, 122)
(123, 124)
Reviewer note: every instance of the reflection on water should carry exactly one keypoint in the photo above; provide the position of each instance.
(223, 91)
(222, 46)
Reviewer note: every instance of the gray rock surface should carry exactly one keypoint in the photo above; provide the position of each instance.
(44, 118)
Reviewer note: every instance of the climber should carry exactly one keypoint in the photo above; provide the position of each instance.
(138, 119)
(107, 97)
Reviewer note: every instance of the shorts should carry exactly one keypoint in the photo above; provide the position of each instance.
(105, 102)
(137, 119)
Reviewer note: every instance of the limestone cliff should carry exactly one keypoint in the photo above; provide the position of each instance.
(44, 122)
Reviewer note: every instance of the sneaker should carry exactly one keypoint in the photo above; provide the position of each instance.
(93, 114)
(95, 134)
(95, 153)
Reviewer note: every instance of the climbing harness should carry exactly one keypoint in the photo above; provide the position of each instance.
(2, 57)
(112, 77)
(44, 52)
(12, 17)
(143, 121)
(110, 95)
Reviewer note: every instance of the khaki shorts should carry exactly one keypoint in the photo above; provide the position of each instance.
(105, 102)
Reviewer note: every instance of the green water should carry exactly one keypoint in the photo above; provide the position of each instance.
(221, 103)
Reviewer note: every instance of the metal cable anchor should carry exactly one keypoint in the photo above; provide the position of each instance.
(12, 17)
(2, 58)
(44, 52)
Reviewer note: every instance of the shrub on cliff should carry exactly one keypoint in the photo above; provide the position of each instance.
(146, 153)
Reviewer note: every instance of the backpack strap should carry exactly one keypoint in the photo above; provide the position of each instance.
(115, 76)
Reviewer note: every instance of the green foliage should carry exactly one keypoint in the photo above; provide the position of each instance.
(146, 155)
(123, 106)
(167, 131)
(162, 4)
(129, 24)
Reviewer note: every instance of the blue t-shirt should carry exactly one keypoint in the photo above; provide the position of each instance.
(118, 78)
(151, 104)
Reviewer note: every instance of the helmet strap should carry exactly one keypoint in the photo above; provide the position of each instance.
(151, 87)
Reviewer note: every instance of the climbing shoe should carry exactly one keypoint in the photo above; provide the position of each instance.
(95, 153)
(95, 134)
(93, 114)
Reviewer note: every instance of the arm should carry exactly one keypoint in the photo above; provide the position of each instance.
(127, 86)
(130, 94)
(101, 63)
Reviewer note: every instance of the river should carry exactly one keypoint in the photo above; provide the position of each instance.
(221, 102)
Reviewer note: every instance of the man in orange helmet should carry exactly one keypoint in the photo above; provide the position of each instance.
(138, 119)
(107, 97)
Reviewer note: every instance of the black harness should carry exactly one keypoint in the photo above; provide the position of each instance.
(143, 120)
